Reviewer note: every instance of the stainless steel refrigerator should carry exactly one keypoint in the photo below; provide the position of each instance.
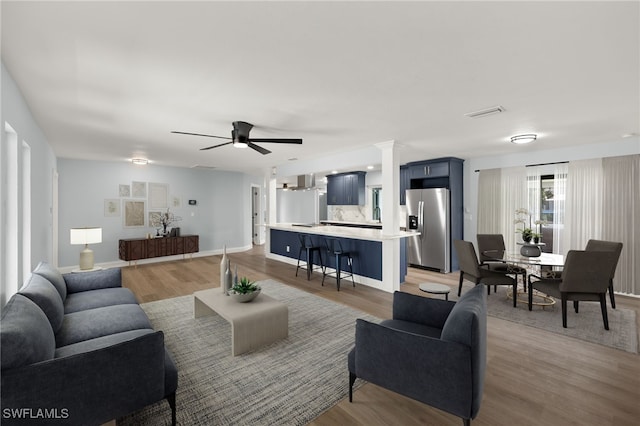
(428, 213)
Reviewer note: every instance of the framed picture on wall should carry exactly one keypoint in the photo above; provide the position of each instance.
(112, 207)
(176, 202)
(134, 213)
(124, 190)
(158, 196)
(139, 189)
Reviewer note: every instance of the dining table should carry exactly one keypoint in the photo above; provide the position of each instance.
(548, 264)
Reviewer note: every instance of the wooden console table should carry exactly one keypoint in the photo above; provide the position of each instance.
(135, 249)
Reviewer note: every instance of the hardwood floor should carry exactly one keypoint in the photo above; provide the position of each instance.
(533, 377)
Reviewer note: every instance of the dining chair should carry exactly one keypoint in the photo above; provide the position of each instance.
(601, 245)
(615, 247)
(487, 242)
(471, 270)
(585, 277)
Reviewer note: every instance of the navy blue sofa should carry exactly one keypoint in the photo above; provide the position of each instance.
(433, 351)
(77, 349)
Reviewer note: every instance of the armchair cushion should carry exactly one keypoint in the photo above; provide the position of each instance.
(417, 309)
(26, 336)
(41, 292)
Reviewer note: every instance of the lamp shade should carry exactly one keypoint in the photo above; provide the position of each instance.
(85, 235)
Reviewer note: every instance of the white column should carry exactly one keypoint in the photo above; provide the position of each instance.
(390, 216)
(271, 210)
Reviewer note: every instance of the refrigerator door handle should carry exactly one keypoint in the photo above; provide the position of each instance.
(421, 219)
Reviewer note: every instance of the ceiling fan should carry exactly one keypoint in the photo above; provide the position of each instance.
(240, 138)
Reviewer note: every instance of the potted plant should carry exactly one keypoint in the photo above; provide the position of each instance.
(244, 290)
(524, 217)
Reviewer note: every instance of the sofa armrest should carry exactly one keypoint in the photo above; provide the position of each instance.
(421, 310)
(94, 280)
(92, 387)
(427, 369)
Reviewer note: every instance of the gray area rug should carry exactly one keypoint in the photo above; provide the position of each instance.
(289, 382)
(585, 325)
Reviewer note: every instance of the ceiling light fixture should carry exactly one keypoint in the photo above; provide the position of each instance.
(140, 161)
(484, 112)
(522, 139)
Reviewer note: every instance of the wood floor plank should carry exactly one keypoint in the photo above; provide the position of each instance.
(533, 377)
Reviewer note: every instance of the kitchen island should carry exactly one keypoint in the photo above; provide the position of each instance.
(365, 245)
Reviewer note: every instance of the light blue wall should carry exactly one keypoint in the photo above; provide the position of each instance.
(221, 216)
(16, 113)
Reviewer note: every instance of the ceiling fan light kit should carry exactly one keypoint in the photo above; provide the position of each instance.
(240, 138)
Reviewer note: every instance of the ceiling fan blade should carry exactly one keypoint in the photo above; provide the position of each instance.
(260, 149)
(200, 134)
(276, 140)
(215, 146)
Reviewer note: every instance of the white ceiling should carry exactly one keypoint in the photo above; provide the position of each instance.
(110, 80)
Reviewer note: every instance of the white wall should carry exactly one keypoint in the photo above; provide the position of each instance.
(222, 215)
(15, 112)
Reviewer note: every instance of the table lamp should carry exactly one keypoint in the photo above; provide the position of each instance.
(86, 236)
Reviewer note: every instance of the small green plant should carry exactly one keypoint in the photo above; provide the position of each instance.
(244, 286)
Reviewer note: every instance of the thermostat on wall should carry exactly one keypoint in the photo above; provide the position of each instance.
(192, 202)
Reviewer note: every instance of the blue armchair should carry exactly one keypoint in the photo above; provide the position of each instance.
(433, 351)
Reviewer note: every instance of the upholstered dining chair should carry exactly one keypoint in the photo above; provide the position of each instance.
(615, 247)
(601, 245)
(487, 242)
(471, 270)
(585, 277)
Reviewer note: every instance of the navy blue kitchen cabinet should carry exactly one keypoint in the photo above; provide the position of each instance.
(346, 189)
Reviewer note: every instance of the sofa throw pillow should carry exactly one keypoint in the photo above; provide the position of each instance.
(26, 336)
(45, 295)
(54, 276)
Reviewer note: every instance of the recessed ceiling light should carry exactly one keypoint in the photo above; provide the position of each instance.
(370, 167)
(629, 135)
(522, 139)
(334, 171)
(140, 161)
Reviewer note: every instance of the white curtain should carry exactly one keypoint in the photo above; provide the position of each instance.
(559, 206)
(514, 196)
(583, 213)
(621, 217)
(490, 209)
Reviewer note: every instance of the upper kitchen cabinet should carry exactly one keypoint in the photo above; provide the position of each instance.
(346, 189)
(428, 169)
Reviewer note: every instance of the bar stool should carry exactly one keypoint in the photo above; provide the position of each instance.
(334, 248)
(306, 244)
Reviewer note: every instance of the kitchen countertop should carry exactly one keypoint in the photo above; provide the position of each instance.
(342, 231)
(374, 225)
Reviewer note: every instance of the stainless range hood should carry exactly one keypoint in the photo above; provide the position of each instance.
(306, 181)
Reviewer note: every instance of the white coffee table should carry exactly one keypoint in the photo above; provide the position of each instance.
(253, 325)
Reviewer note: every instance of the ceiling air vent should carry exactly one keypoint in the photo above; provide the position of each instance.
(200, 166)
(485, 112)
